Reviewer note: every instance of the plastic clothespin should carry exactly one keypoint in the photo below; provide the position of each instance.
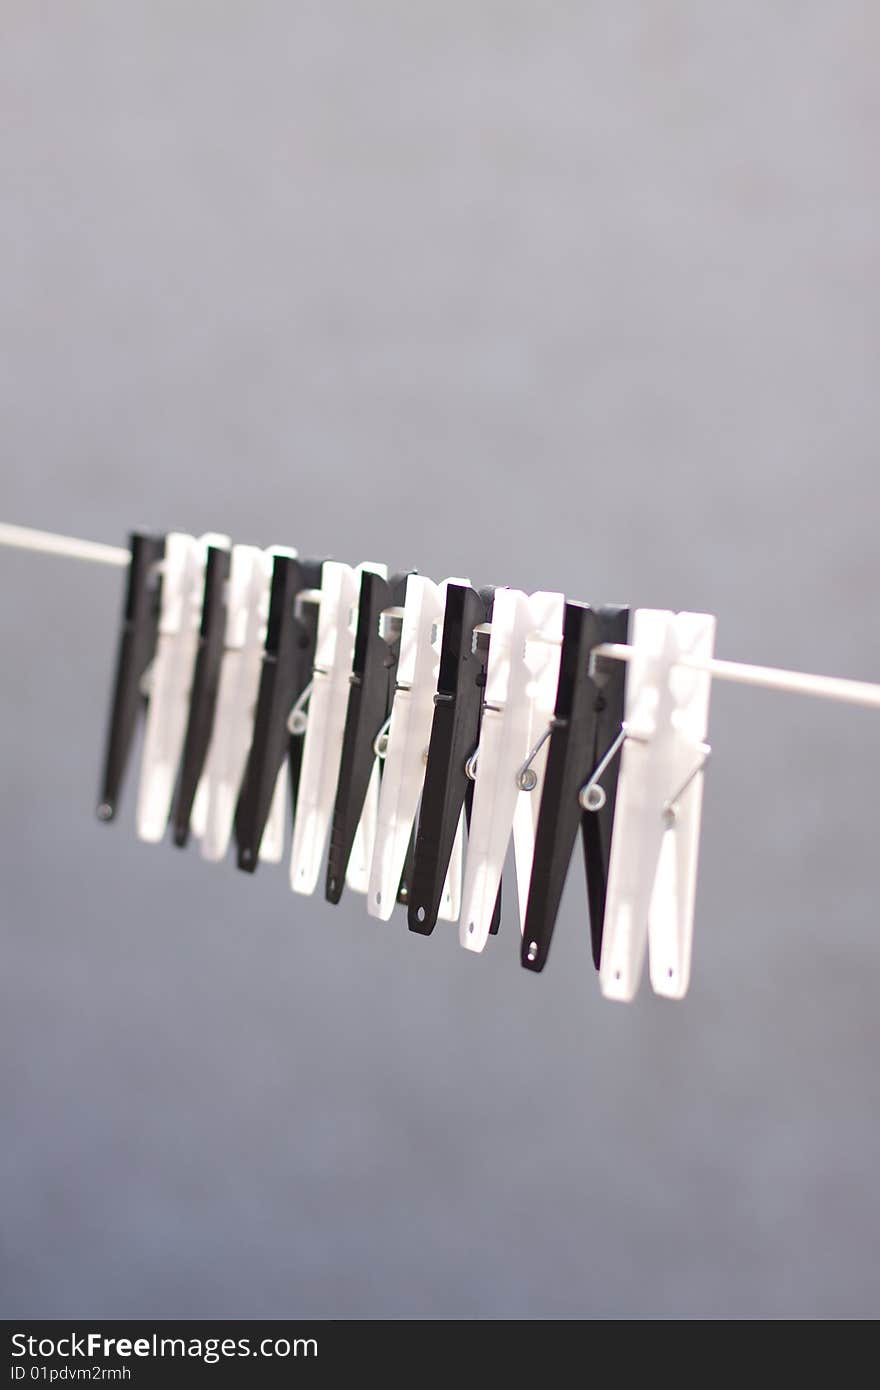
(170, 677)
(203, 695)
(653, 873)
(450, 901)
(324, 728)
(137, 647)
(371, 690)
(521, 681)
(582, 734)
(405, 750)
(247, 609)
(455, 731)
(288, 653)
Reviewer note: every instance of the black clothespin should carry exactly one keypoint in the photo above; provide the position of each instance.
(203, 695)
(373, 672)
(137, 647)
(288, 656)
(586, 724)
(455, 734)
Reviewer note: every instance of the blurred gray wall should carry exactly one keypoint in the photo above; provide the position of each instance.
(583, 296)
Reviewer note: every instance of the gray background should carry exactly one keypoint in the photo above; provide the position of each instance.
(581, 296)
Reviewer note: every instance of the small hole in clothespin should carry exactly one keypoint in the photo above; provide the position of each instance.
(420, 915)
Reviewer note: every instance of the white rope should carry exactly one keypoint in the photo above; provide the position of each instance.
(797, 682)
(23, 538)
(794, 682)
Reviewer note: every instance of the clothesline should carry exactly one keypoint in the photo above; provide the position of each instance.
(49, 543)
(849, 692)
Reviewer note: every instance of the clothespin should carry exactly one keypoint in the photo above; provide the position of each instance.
(653, 871)
(170, 677)
(521, 681)
(247, 610)
(137, 647)
(583, 737)
(404, 749)
(323, 726)
(203, 694)
(450, 899)
(455, 730)
(288, 653)
(371, 690)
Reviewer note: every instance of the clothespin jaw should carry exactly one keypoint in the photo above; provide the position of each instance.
(137, 646)
(653, 870)
(455, 730)
(203, 696)
(587, 719)
(325, 721)
(171, 676)
(371, 690)
(288, 653)
(521, 680)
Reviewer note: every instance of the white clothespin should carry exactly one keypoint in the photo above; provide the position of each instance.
(169, 678)
(325, 724)
(520, 695)
(655, 844)
(247, 609)
(405, 749)
(275, 832)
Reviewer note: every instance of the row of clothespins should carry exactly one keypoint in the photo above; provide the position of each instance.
(416, 727)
